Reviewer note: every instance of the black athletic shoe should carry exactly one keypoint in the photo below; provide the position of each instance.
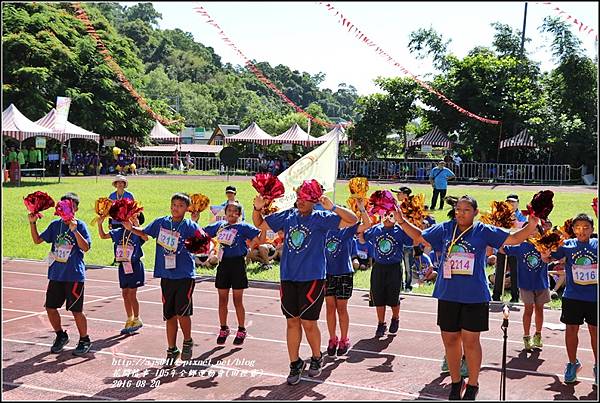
(60, 342)
(470, 392)
(456, 389)
(83, 347)
(172, 356)
(186, 350)
(296, 369)
(394, 325)
(316, 365)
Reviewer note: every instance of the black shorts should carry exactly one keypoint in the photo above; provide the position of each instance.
(177, 297)
(231, 273)
(456, 316)
(386, 280)
(339, 286)
(574, 311)
(302, 299)
(59, 291)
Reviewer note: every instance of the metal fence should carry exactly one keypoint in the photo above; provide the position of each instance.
(244, 165)
(391, 170)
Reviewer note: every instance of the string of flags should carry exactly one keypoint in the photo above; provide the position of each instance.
(257, 72)
(582, 27)
(362, 37)
(83, 17)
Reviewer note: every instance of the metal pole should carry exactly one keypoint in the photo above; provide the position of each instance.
(60, 161)
(504, 327)
(337, 162)
(98, 161)
(523, 33)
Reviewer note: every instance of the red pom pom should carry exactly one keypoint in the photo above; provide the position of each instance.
(310, 190)
(268, 186)
(65, 210)
(124, 209)
(541, 204)
(382, 201)
(595, 206)
(38, 201)
(198, 243)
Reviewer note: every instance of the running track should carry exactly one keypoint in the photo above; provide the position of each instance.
(401, 367)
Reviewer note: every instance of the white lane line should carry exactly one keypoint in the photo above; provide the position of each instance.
(326, 382)
(60, 309)
(515, 321)
(32, 290)
(60, 391)
(561, 347)
(352, 349)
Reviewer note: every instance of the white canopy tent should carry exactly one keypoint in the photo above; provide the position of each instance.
(252, 134)
(70, 131)
(160, 133)
(18, 126)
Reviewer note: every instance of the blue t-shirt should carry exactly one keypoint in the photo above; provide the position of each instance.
(113, 196)
(59, 234)
(133, 240)
(580, 254)
(185, 266)
(238, 246)
(532, 271)
(339, 245)
(467, 289)
(362, 250)
(422, 263)
(303, 254)
(440, 177)
(388, 243)
(434, 259)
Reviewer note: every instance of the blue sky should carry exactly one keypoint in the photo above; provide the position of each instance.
(306, 37)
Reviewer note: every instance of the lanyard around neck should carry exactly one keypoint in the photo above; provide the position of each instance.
(455, 238)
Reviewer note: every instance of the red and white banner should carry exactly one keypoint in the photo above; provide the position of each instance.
(581, 26)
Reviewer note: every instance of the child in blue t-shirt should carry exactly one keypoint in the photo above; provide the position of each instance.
(128, 252)
(362, 252)
(580, 298)
(534, 289)
(174, 265)
(120, 183)
(232, 235)
(388, 241)
(66, 274)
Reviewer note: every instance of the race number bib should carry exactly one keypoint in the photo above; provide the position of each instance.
(270, 236)
(362, 254)
(122, 255)
(127, 267)
(170, 261)
(585, 274)
(227, 236)
(459, 263)
(168, 239)
(62, 252)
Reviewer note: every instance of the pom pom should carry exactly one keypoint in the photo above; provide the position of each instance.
(199, 203)
(567, 229)
(541, 204)
(501, 215)
(38, 201)
(310, 190)
(124, 209)
(65, 210)
(268, 186)
(595, 206)
(102, 208)
(413, 209)
(358, 187)
(198, 243)
(382, 201)
(549, 241)
(116, 151)
(269, 208)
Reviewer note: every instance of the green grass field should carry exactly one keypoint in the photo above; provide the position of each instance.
(155, 192)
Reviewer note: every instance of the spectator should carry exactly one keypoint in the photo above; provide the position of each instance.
(438, 177)
(513, 199)
(230, 192)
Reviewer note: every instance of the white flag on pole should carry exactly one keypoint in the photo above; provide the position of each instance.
(62, 113)
(319, 164)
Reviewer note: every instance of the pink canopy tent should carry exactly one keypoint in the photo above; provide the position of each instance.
(252, 134)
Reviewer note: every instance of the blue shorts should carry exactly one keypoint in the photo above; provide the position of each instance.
(133, 280)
